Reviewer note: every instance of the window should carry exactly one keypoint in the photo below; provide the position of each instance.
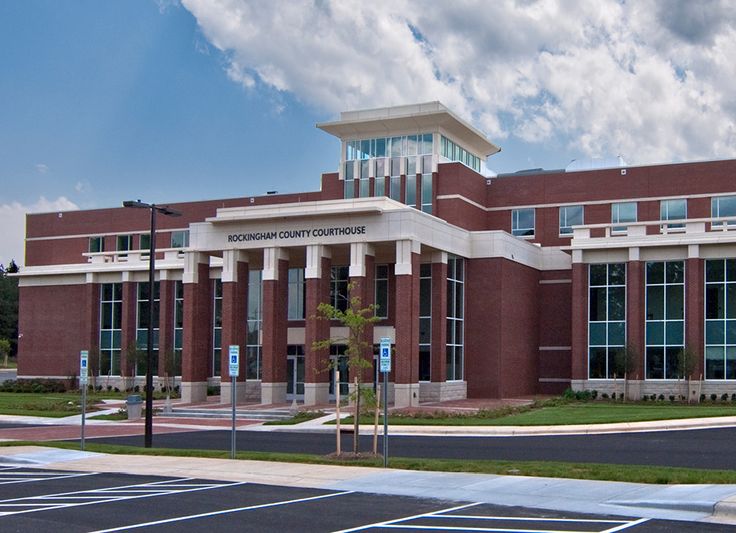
(178, 327)
(621, 213)
(606, 319)
(339, 360)
(522, 222)
(180, 239)
(339, 297)
(665, 318)
(381, 287)
(395, 180)
(111, 313)
(124, 243)
(217, 328)
(254, 321)
(145, 242)
(720, 319)
(570, 215)
(411, 190)
(364, 189)
(673, 210)
(96, 244)
(453, 152)
(723, 206)
(427, 184)
(380, 180)
(349, 175)
(142, 321)
(296, 294)
(455, 313)
(425, 321)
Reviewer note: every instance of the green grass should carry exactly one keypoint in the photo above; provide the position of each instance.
(554, 413)
(627, 473)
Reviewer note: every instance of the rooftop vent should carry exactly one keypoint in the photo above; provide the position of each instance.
(596, 163)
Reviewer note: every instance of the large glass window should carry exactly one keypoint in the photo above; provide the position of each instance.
(425, 321)
(411, 190)
(665, 318)
(348, 177)
(720, 319)
(124, 243)
(623, 212)
(381, 287)
(395, 179)
(673, 210)
(339, 280)
(454, 152)
(455, 318)
(522, 222)
(296, 294)
(217, 328)
(379, 188)
(254, 321)
(606, 319)
(723, 206)
(570, 215)
(143, 319)
(111, 313)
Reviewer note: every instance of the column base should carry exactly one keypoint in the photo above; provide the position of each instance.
(193, 391)
(226, 392)
(316, 393)
(406, 395)
(273, 393)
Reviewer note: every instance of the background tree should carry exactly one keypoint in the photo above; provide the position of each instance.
(4, 351)
(9, 306)
(356, 319)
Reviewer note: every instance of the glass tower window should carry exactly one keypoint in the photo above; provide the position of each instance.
(254, 321)
(454, 152)
(111, 313)
(178, 326)
(425, 321)
(296, 294)
(339, 280)
(606, 318)
(217, 328)
(381, 288)
(665, 318)
(720, 319)
(142, 322)
(522, 222)
(455, 318)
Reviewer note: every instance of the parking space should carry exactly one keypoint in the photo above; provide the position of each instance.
(44, 500)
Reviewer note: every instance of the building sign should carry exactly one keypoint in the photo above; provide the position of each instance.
(304, 233)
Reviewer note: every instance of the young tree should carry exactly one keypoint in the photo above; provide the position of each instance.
(4, 351)
(356, 319)
(626, 362)
(686, 363)
(9, 306)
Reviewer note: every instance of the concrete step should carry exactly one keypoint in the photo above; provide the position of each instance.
(243, 414)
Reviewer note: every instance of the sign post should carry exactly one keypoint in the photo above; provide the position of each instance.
(385, 367)
(234, 367)
(83, 377)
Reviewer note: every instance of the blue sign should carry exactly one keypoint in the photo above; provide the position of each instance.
(83, 366)
(234, 360)
(384, 355)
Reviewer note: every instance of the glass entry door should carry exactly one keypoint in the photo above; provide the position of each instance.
(295, 373)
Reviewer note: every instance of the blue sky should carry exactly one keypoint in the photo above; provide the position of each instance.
(168, 100)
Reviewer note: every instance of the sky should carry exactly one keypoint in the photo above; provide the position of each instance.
(179, 100)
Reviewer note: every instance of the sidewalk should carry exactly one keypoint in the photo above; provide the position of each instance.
(673, 502)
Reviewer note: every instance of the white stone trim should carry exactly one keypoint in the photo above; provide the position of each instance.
(554, 281)
(404, 250)
(271, 257)
(555, 348)
(358, 251)
(230, 260)
(192, 260)
(315, 254)
(102, 234)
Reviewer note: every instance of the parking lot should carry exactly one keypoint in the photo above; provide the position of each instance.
(45, 500)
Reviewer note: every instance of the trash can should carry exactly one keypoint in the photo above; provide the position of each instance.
(134, 403)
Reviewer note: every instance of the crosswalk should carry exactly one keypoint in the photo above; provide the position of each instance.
(62, 500)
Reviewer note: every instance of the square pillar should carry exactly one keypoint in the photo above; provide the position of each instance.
(579, 318)
(197, 342)
(234, 321)
(275, 303)
(439, 318)
(406, 364)
(694, 313)
(635, 315)
(362, 282)
(166, 322)
(316, 362)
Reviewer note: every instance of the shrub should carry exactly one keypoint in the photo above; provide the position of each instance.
(672, 397)
(724, 397)
(33, 385)
(661, 397)
(713, 397)
(569, 394)
(733, 397)
(604, 395)
(644, 398)
(594, 394)
(702, 397)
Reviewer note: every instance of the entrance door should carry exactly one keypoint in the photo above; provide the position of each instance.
(295, 373)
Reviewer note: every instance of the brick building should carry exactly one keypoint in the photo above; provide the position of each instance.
(498, 286)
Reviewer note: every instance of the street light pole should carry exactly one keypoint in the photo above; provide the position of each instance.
(148, 437)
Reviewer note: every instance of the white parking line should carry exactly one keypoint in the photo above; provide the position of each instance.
(45, 502)
(224, 511)
(403, 523)
(16, 475)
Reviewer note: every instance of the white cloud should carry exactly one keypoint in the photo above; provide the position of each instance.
(13, 224)
(648, 79)
(41, 168)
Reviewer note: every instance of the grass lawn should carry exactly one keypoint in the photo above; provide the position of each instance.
(52, 404)
(555, 414)
(628, 473)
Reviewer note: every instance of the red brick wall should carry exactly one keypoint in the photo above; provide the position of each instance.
(555, 330)
(501, 328)
(197, 342)
(234, 324)
(579, 321)
(52, 336)
(406, 361)
(275, 303)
